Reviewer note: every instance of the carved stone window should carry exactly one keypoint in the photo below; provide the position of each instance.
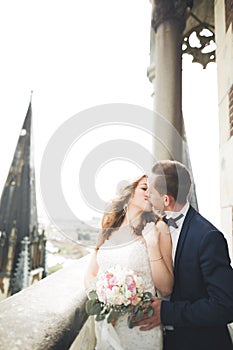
(228, 13)
(200, 43)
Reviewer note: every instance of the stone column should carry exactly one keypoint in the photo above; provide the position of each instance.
(168, 22)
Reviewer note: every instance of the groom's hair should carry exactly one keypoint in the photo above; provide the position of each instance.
(172, 178)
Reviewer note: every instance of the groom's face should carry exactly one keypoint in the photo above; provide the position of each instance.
(156, 199)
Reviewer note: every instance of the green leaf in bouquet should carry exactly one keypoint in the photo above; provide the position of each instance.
(93, 295)
(139, 315)
(113, 315)
(93, 307)
(96, 309)
(88, 306)
(100, 317)
(135, 310)
(147, 295)
(130, 322)
(150, 311)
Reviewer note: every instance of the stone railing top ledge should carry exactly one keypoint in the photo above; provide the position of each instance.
(47, 315)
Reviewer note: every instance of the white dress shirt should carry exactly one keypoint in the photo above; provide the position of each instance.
(175, 232)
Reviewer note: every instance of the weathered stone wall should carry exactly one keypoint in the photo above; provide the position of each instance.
(47, 315)
(224, 59)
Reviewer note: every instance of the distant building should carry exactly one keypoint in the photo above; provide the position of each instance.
(22, 246)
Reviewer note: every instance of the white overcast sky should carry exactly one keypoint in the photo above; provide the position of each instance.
(77, 54)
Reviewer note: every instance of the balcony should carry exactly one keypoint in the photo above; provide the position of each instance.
(49, 314)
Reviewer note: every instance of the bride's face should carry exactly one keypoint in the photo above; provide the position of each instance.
(140, 198)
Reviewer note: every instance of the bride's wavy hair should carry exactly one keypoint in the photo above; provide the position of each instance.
(116, 211)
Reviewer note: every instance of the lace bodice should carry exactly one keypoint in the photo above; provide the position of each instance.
(130, 252)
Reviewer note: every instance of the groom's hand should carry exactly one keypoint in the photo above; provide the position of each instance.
(153, 321)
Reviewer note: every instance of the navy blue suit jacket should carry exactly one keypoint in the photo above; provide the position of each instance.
(201, 303)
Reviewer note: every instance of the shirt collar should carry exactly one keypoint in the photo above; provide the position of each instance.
(174, 214)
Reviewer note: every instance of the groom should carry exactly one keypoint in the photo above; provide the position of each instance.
(201, 303)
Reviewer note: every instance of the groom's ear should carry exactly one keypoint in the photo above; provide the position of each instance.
(168, 200)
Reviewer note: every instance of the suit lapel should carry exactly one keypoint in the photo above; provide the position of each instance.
(183, 235)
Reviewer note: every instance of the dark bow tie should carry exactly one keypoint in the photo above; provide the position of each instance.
(172, 221)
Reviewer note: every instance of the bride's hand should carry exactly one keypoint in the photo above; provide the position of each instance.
(151, 236)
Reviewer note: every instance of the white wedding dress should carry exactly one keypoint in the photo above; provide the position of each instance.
(130, 253)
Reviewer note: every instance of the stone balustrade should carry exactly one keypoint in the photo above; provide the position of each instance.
(47, 315)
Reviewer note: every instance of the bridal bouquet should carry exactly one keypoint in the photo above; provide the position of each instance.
(118, 291)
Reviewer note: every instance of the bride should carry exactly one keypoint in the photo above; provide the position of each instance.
(134, 237)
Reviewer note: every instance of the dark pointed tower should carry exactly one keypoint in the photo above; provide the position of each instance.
(18, 210)
(21, 278)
